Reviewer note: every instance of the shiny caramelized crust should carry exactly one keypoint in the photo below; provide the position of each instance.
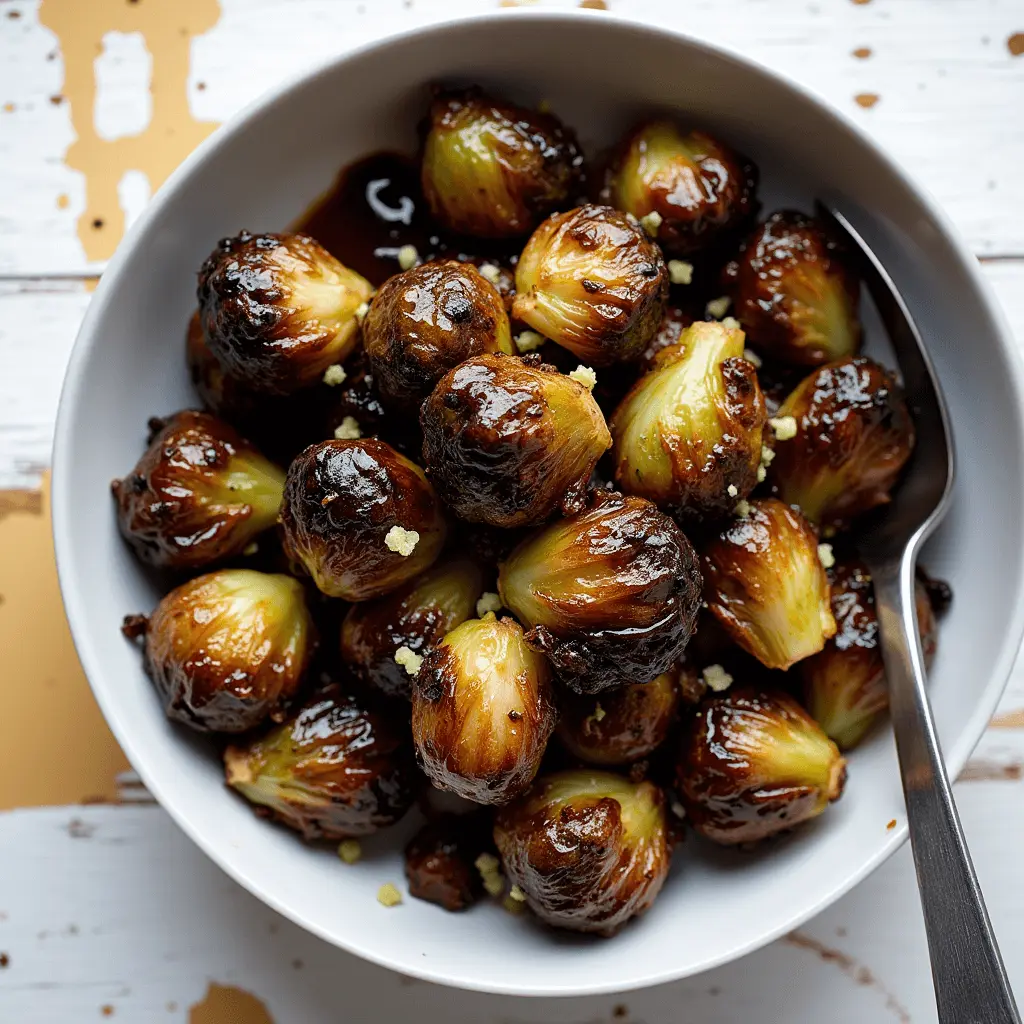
(589, 849)
(416, 616)
(482, 711)
(793, 294)
(688, 435)
(494, 170)
(342, 500)
(699, 187)
(674, 320)
(510, 441)
(198, 495)
(854, 435)
(440, 860)
(611, 595)
(227, 650)
(278, 309)
(764, 583)
(593, 282)
(426, 321)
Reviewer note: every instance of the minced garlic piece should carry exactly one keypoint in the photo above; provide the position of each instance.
(767, 454)
(717, 308)
(784, 427)
(408, 659)
(761, 474)
(489, 602)
(517, 894)
(401, 540)
(732, 323)
(717, 678)
(751, 356)
(732, 490)
(528, 341)
(490, 272)
(335, 375)
(361, 312)
(680, 272)
(388, 895)
(250, 549)
(348, 429)
(599, 713)
(350, 851)
(742, 509)
(825, 555)
(490, 872)
(408, 257)
(584, 375)
(651, 222)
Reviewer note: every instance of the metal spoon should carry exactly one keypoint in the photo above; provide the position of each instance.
(971, 986)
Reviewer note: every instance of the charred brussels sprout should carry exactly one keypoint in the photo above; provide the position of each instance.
(509, 441)
(845, 689)
(199, 494)
(793, 294)
(426, 321)
(589, 849)
(594, 283)
(853, 437)
(764, 582)
(278, 310)
(688, 434)
(440, 860)
(361, 518)
(340, 768)
(229, 649)
(611, 595)
(494, 170)
(416, 616)
(482, 711)
(698, 188)
(755, 764)
(623, 726)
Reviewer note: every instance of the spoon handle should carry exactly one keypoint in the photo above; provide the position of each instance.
(971, 986)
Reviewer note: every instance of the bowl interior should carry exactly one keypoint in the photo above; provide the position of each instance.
(261, 173)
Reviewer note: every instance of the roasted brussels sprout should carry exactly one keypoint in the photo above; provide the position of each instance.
(845, 689)
(340, 768)
(482, 711)
(688, 434)
(440, 860)
(426, 321)
(361, 518)
(589, 849)
(227, 650)
(220, 393)
(853, 437)
(593, 282)
(674, 320)
(278, 310)
(414, 617)
(764, 582)
(694, 185)
(611, 595)
(793, 294)
(494, 170)
(754, 764)
(623, 726)
(508, 441)
(198, 495)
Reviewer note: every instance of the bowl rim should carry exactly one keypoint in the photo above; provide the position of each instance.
(74, 594)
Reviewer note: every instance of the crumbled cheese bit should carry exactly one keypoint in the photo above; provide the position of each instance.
(408, 257)
(651, 222)
(680, 272)
(408, 659)
(825, 555)
(599, 713)
(733, 491)
(717, 308)
(348, 429)
(742, 509)
(584, 375)
(677, 809)
(784, 427)
(489, 602)
(401, 541)
(528, 341)
(250, 549)
(388, 895)
(517, 894)
(731, 322)
(717, 678)
(350, 851)
(490, 872)
(751, 356)
(335, 375)
(490, 272)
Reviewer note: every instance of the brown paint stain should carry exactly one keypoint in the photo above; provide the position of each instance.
(107, 1010)
(862, 52)
(5, 960)
(168, 29)
(62, 201)
(225, 1004)
(594, 5)
(866, 99)
(63, 747)
(891, 825)
(861, 3)
(1008, 720)
(1015, 44)
(987, 771)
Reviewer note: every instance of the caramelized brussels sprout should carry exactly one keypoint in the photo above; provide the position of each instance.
(688, 435)
(754, 764)
(220, 393)
(440, 860)
(361, 518)
(227, 650)
(697, 187)
(278, 310)
(793, 294)
(494, 170)
(509, 441)
(623, 726)
(845, 689)
(610, 596)
(764, 582)
(853, 437)
(482, 711)
(340, 768)
(426, 321)
(415, 617)
(594, 283)
(589, 849)
(198, 495)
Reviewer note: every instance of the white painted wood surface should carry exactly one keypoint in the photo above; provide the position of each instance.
(110, 910)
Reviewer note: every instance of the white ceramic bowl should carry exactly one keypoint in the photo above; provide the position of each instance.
(260, 172)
